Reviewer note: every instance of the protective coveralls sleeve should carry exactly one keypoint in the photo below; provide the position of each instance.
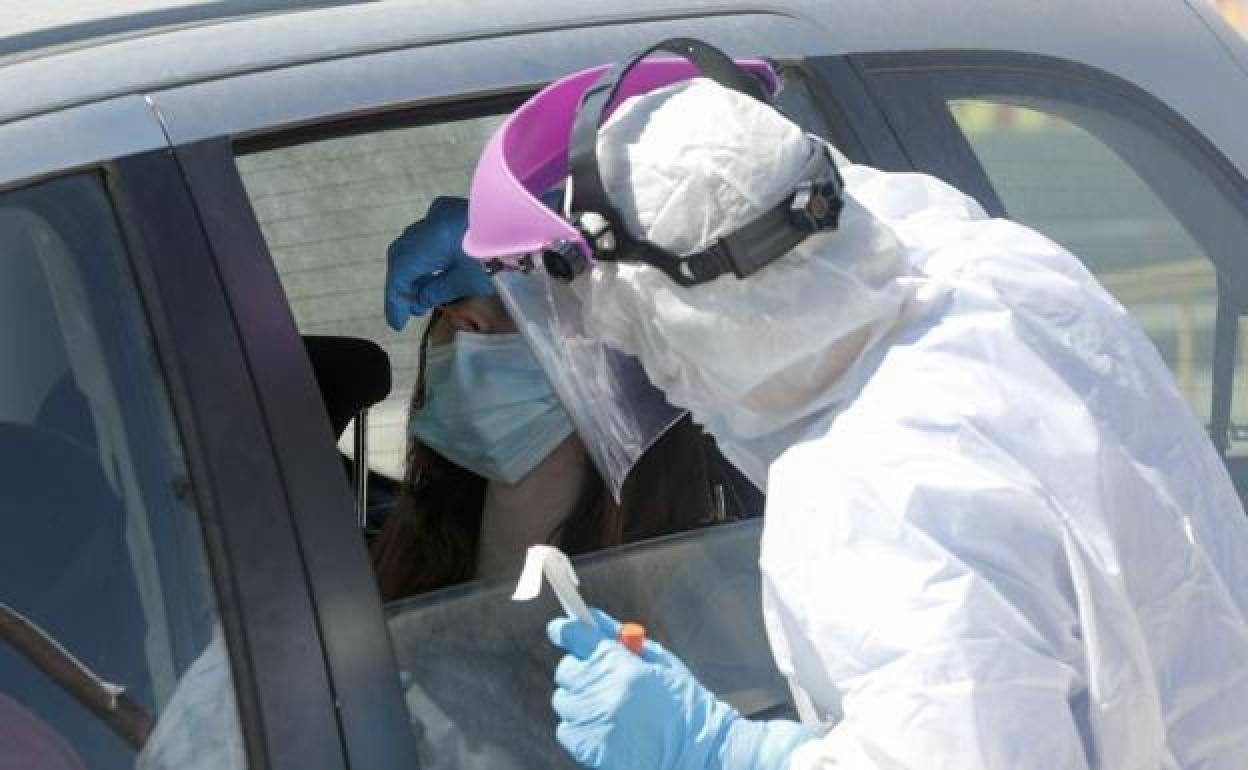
(924, 682)
(426, 265)
(621, 711)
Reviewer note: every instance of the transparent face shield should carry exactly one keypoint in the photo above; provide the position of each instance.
(617, 412)
(533, 250)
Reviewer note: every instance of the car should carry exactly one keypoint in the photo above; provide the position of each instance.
(191, 198)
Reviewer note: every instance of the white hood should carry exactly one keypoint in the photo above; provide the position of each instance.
(753, 360)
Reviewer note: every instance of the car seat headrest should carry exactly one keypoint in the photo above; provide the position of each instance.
(353, 374)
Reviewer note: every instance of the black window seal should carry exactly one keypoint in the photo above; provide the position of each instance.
(864, 127)
(461, 107)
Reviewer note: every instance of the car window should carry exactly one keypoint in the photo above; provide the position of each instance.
(111, 653)
(475, 666)
(1060, 178)
(328, 210)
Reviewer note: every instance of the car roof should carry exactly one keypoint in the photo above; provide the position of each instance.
(60, 25)
(1160, 45)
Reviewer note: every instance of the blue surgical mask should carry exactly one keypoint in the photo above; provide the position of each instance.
(489, 407)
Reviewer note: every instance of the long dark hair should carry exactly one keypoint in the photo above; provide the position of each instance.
(430, 539)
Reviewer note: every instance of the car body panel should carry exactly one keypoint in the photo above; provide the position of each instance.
(1103, 35)
(93, 133)
(434, 73)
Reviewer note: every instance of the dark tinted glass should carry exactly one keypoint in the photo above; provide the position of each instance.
(110, 651)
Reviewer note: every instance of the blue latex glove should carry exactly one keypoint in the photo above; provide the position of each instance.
(620, 711)
(426, 266)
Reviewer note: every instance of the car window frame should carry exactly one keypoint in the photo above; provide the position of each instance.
(286, 706)
(262, 574)
(913, 90)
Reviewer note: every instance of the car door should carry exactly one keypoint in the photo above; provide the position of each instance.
(302, 176)
(1111, 173)
(154, 610)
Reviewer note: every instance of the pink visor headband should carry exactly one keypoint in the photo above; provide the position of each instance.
(508, 225)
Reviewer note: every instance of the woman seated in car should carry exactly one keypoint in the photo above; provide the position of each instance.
(494, 464)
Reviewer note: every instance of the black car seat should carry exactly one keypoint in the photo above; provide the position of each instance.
(353, 375)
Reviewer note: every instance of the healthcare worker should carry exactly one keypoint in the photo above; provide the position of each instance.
(995, 535)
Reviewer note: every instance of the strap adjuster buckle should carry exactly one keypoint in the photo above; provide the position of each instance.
(596, 230)
(564, 261)
(817, 205)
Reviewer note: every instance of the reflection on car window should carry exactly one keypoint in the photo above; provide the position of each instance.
(1236, 12)
(110, 649)
(1060, 176)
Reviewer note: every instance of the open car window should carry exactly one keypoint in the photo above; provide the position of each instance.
(329, 207)
(328, 210)
(476, 667)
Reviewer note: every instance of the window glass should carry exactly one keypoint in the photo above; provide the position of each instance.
(1057, 170)
(476, 666)
(1236, 12)
(111, 654)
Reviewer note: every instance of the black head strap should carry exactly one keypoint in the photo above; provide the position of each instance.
(814, 204)
(588, 191)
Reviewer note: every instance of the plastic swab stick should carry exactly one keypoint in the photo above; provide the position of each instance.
(548, 561)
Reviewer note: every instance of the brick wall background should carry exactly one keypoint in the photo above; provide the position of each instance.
(329, 209)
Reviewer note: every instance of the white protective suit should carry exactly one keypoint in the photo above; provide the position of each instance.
(995, 536)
